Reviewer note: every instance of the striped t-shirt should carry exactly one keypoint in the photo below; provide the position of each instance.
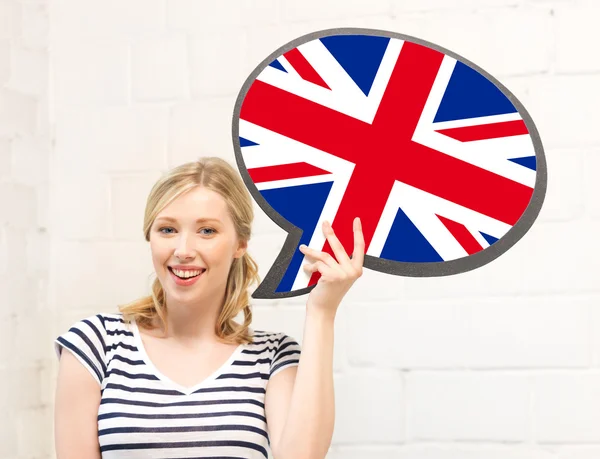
(143, 414)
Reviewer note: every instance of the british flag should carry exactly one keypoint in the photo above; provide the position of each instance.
(429, 153)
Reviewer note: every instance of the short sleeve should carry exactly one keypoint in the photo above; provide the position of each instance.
(86, 339)
(287, 354)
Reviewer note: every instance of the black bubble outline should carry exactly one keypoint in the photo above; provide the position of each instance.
(411, 269)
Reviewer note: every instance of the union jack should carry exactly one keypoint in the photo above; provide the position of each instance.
(432, 156)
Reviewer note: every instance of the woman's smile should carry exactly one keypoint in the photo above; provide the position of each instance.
(185, 281)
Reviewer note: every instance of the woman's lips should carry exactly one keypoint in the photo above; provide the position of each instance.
(184, 282)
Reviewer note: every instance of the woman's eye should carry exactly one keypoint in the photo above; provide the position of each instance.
(210, 230)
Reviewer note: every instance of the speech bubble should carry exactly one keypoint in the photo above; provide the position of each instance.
(441, 162)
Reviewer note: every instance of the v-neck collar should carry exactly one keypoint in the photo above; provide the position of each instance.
(166, 380)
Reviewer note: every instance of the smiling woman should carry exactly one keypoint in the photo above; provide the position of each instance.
(192, 199)
(173, 374)
(210, 245)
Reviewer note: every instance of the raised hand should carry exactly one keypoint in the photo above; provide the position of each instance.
(336, 276)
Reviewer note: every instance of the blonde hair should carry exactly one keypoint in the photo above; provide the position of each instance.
(218, 175)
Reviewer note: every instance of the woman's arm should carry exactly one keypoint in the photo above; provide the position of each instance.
(76, 410)
(308, 427)
(310, 413)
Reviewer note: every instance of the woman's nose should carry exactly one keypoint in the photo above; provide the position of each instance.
(185, 247)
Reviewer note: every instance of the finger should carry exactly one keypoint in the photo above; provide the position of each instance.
(335, 244)
(316, 266)
(358, 256)
(317, 255)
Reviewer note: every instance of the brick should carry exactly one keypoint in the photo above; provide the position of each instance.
(10, 19)
(90, 73)
(149, 59)
(592, 184)
(31, 334)
(211, 73)
(18, 114)
(31, 158)
(262, 222)
(373, 401)
(45, 127)
(372, 452)
(568, 119)
(579, 452)
(13, 242)
(18, 205)
(560, 267)
(425, 6)
(128, 196)
(565, 198)
(87, 273)
(457, 406)
(22, 289)
(4, 249)
(487, 333)
(5, 159)
(43, 207)
(8, 437)
(264, 248)
(577, 38)
(36, 24)
(313, 10)
(259, 43)
(8, 345)
(202, 128)
(531, 332)
(4, 61)
(113, 20)
(495, 278)
(480, 36)
(539, 263)
(265, 40)
(29, 71)
(34, 420)
(111, 139)
(450, 451)
(49, 374)
(284, 318)
(595, 328)
(187, 14)
(566, 407)
(376, 287)
(261, 12)
(84, 200)
(23, 386)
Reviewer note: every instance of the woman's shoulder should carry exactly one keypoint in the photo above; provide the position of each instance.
(105, 325)
(274, 340)
(103, 317)
(281, 349)
(263, 335)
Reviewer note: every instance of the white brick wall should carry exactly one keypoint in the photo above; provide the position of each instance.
(25, 153)
(98, 98)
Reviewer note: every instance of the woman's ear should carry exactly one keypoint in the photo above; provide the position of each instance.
(242, 247)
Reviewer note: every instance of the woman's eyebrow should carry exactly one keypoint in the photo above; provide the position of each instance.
(200, 220)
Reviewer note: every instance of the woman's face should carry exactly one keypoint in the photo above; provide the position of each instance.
(196, 232)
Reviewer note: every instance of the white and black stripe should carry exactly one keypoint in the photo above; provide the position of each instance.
(142, 414)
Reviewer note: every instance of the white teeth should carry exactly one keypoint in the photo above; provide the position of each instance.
(186, 274)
